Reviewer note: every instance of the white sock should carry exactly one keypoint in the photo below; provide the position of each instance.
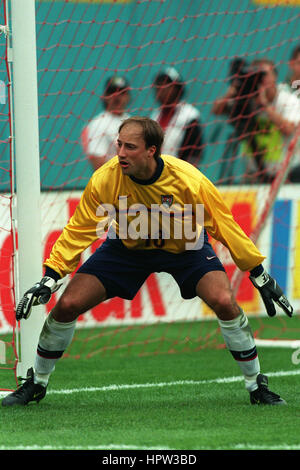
(54, 339)
(240, 342)
(41, 379)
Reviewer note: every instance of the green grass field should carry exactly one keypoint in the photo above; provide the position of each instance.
(182, 400)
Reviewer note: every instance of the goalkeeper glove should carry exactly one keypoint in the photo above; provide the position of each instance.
(270, 293)
(40, 293)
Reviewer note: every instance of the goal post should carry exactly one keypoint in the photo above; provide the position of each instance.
(27, 166)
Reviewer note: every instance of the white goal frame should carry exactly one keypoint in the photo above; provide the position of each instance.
(25, 141)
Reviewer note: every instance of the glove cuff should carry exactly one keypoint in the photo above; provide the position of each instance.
(260, 280)
(255, 272)
(49, 272)
(49, 282)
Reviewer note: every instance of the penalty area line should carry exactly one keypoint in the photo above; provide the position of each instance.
(119, 387)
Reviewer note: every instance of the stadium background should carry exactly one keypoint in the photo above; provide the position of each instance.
(188, 35)
(81, 44)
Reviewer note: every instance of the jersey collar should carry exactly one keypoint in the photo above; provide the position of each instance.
(156, 175)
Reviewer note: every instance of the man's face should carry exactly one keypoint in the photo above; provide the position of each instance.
(268, 83)
(117, 102)
(134, 158)
(166, 94)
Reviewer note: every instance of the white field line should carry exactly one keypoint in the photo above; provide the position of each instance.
(260, 447)
(280, 343)
(119, 387)
(88, 447)
(134, 447)
(115, 387)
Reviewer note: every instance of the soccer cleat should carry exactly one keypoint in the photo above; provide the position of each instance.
(262, 395)
(28, 391)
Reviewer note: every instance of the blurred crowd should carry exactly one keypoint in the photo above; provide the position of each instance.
(262, 113)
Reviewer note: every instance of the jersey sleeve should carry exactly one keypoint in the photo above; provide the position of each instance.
(220, 224)
(79, 233)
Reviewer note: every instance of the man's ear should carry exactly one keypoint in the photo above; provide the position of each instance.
(152, 150)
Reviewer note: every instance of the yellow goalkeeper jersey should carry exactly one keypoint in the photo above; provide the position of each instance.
(127, 203)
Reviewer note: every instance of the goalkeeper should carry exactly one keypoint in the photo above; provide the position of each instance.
(141, 175)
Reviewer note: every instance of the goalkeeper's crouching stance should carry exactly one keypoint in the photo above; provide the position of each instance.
(121, 265)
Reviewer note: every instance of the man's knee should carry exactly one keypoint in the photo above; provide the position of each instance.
(67, 309)
(214, 288)
(82, 294)
(224, 305)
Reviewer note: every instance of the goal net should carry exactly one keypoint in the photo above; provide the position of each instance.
(212, 47)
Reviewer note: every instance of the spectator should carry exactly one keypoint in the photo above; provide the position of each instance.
(238, 104)
(179, 120)
(281, 109)
(276, 113)
(99, 136)
(292, 85)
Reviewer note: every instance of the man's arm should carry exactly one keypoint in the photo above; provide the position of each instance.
(286, 127)
(285, 124)
(39, 294)
(79, 233)
(222, 105)
(222, 226)
(270, 291)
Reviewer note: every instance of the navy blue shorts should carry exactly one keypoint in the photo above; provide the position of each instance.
(123, 271)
